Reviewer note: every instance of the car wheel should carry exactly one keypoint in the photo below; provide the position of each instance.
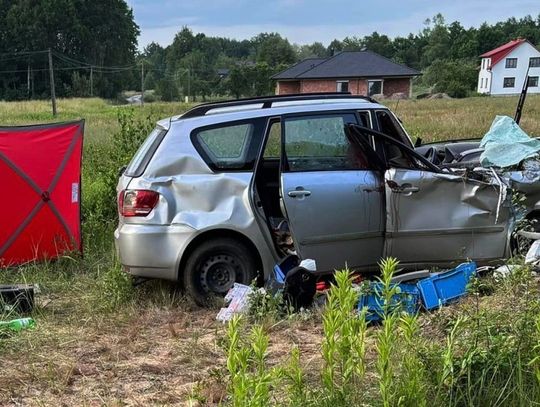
(214, 266)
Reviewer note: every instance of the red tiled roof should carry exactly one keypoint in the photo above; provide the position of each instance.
(499, 53)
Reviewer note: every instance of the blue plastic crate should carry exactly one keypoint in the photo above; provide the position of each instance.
(284, 266)
(408, 298)
(446, 287)
(276, 280)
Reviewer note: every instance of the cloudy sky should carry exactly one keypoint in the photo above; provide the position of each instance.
(305, 21)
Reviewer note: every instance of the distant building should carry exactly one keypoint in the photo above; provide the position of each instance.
(503, 70)
(223, 72)
(358, 72)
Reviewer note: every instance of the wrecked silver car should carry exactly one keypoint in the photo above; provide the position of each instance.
(507, 152)
(219, 194)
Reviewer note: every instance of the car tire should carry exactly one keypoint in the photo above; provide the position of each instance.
(214, 266)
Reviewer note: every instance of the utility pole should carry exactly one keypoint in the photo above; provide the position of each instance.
(91, 81)
(142, 82)
(51, 77)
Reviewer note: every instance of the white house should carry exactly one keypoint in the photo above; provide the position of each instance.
(503, 70)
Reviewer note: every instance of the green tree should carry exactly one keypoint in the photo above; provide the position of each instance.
(456, 78)
(380, 44)
(98, 32)
(273, 49)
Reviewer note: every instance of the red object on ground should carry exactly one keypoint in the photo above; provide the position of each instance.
(40, 176)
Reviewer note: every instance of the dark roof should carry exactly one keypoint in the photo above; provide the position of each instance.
(347, 64)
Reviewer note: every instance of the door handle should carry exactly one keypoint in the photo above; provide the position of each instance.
(408, 190)
(299, 192)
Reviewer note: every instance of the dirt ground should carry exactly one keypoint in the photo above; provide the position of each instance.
(153, 357)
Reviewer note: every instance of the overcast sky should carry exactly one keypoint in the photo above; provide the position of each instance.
(306, 21)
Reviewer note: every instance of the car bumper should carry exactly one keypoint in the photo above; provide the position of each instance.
(152, 251)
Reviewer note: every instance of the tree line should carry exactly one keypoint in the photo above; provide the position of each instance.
(88, 37)
(94, 45)
(446, 53)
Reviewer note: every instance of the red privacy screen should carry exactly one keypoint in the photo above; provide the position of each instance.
(40, 182)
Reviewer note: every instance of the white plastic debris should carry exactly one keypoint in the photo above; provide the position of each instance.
(308, 264)
(238, 299)
(533, 255)
(504, 271)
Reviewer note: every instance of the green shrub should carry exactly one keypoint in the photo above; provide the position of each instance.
(250, 377)
(343, 347)
(470, 355)
(116, 288)
(103, 163)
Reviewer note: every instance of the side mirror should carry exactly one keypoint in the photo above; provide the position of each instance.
(121, 170)
(418, 142)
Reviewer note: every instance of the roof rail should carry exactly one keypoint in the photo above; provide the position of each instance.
(267, 101)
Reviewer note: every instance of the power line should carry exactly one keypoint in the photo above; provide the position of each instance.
(24, 53)
(75, 61)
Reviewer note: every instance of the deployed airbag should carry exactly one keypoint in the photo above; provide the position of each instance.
(506, 144)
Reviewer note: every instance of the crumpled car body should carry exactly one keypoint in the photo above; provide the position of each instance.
(337, 182)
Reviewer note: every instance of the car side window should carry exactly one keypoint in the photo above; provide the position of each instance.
(272, 149)
(226, 146)
(320, 143)
(389, 125)
(365, 119)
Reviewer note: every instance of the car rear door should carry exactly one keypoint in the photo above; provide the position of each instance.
(331, 195)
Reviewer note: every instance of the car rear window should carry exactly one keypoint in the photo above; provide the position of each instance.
(145, 152)
(228, 146)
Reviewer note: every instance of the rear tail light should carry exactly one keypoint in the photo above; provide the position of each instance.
(137, 202)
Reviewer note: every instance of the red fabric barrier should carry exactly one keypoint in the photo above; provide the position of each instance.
(40, 182)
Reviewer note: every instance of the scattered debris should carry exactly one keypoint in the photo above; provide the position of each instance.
(504, 271)
(17, 324)
(407, 296)
(533, 255)
(296, 280)
(431, 291)
(18, 297)
(238, 299)
(445, 287)
(308, 264)
(413, 275)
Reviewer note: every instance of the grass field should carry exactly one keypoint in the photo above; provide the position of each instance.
(99, 341)
(429, 119)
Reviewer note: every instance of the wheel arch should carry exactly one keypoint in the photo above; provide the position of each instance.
(221, 233)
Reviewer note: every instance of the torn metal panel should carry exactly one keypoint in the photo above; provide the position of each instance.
(526, 182)
(439, 218)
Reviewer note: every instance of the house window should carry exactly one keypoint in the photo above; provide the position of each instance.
(511, 62)
(342, 86)
(375, 87)
(534, 62)
(509, 82)
(533, 82)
